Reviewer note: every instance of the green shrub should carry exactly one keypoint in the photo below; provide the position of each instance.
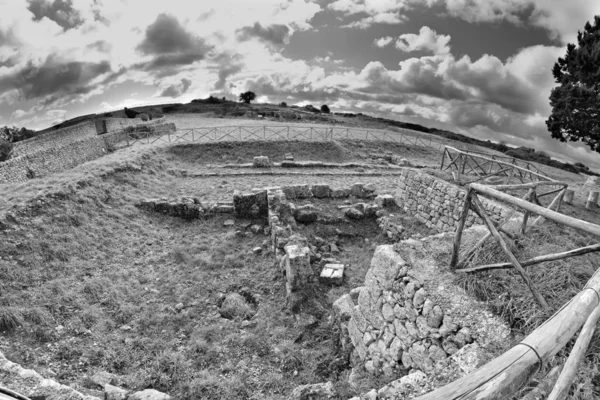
(6, 148)
(143, 116)
(283, 104)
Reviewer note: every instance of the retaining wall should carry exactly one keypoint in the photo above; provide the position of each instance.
(69, 154)
(437, 203)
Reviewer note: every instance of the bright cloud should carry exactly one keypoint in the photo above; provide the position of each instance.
(426, 40)
(384, 41)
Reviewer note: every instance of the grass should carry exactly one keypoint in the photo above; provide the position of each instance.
(91, 283)
(558, 281)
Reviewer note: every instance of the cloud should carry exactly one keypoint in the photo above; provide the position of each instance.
(426, 40)
(382, 42)
(277, 35)
(17, 114)
(100, 45)
(170, 45)
(177, 90)
(377, 11)
(55, 77)
(59, 11)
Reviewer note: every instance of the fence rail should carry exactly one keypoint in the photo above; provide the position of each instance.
(506, 374)
(283, 132)
(486, 165)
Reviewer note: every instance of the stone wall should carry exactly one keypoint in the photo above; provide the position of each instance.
(437, 203)
(117, 124)
(410, 317)
(56, 138)
(69, 154)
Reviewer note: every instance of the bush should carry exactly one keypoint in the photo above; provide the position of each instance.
(283, 104)
(325, 109)
(130, 113)
(6, 148)
(144, 117)
(312, 108)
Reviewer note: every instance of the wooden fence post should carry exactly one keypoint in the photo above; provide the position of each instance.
(459, 230)
(480, 210)
(568, 199)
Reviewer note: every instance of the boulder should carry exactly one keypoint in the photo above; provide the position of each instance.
(354, 214)
(149, 394)
(306, 215)
(317, 391)
(261, 162)
(114, 393)
(251, 205)
(321, 190)
(339, 193)
(385, 200)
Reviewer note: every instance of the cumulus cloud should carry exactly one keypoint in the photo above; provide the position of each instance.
(55, 77)
(426, 40)
(170, 45)
(383, 18)
(378, 12)
(177, 90)
(59, 11)
(384, 41)
(275, 34)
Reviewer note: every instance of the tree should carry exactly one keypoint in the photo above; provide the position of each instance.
(576, 101)
(130, 113)
(247, 97)
(283, 104)
(325, 109)
(5, 149)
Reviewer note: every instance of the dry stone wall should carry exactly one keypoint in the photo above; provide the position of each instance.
(58, 138)
(437, 203)
(54, 158)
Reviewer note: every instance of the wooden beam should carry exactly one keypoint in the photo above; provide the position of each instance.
(566, 378)
(480, 210)
(460, 228)
(549, 193)
(552, 206)
(549, 214)
(528, 185)
(535, 260)
(528, 197)
(506, 374)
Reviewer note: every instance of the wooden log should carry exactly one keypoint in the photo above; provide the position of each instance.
(535, 260)
(592, 201)
(568, 199)
(443, 158)
(504, 375)
(565, 380)
(535, 209)
(549, 193)
(554, 205)
(460, 228)
(480, 210)
(519, 186)
(545, 386)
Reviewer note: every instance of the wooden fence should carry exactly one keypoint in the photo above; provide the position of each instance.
(485, 165)
(506, 374)
(282, 132)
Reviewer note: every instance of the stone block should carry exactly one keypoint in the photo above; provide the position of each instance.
(251, 205)
(321, 190)
(223, 209)
(339, 193)
(358, 190)
(332, 274)
(261, 162)
(385, 200)
(343, 307)
(297, 266)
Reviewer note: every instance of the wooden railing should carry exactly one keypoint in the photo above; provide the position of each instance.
(284, 132)
(485, 165)
(506, 374)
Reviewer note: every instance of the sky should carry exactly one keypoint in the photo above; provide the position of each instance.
(477, 67)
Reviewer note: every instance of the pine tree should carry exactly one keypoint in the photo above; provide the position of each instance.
(576, 101)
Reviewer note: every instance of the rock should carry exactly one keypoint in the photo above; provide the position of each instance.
(321, 190)
(114, 393)
(103, 378)
(370, 187)
(235, 306)
(385, 200)
(257, 250)
(149, 394)
(223, 209)
(125, 328)
(306, 215)
(251, 205)
(179, 306)
(317, 391)
(332, 274)
(435, 317)
(229, 222)
(289, 157)
(388, 312)
(469, 358)
(339, 193)
(256, 229)
(333, 248)
(358, 190)
(261, 162)
(427, 307)
(354, 214)
(305, 320)
(419, 299)
(343, 307)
